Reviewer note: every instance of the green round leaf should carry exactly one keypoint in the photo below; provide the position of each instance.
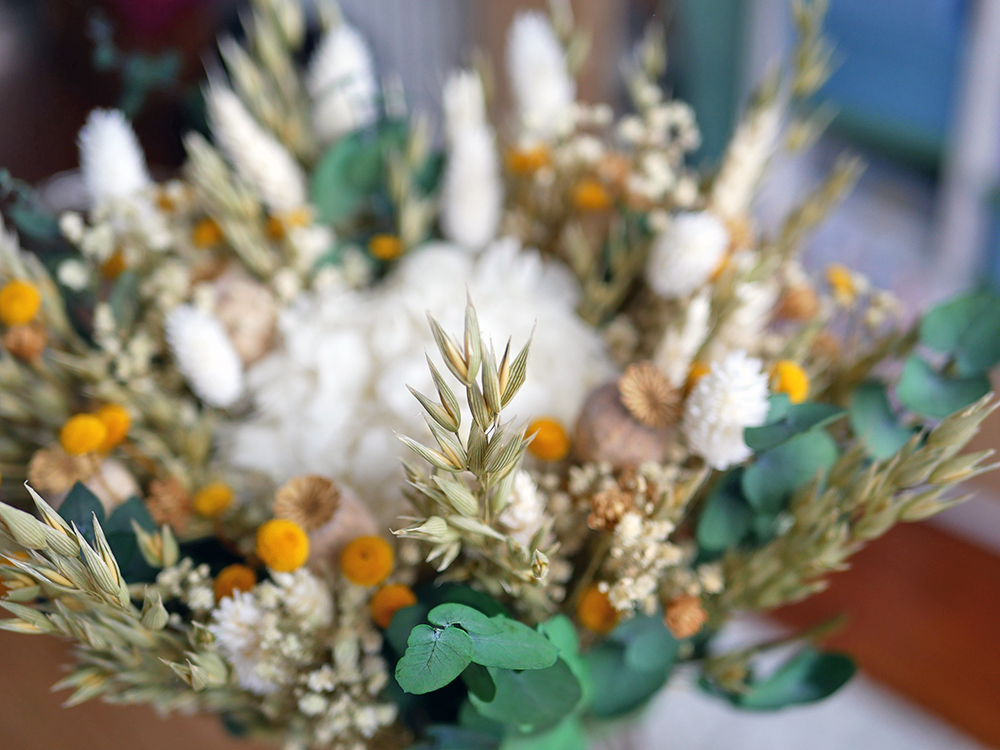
(532, 700)
(872, 419)
(807, 677)
(513, 646)
(80, 507)
(402, 623)
(726, 517)
(968, 328)
(479, 681)
(433, 658)
(926, 392)
(620, 689)
(795, 419)
(649, 646)
(471, 620)
(568, 735)
(770, 481)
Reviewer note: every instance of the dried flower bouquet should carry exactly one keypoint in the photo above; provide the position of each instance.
(200, 382)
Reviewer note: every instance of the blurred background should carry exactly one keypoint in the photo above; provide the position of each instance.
(916, 92)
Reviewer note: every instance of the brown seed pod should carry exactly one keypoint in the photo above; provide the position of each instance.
(649, 395)
(309, 500)
(607, 431)
(685, 616)
(799, 303)
(26, 342)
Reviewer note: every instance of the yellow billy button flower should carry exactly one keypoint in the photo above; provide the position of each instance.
(551, 442)
(206, 234)
(367, 561)
(212, 500)
(526, 161)
(81, 434)
(116, 421)
(388, 600)
(841, 281)
(789, 377)
(19, 302)
(594, 611)
(385, 246)
(697, 371)
(233, 578)
(282, 545)
(590, 195)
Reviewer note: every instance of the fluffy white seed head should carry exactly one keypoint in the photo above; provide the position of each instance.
(539, 77)
(111, 159)
(205, 356)
(685, 253)
(341, 81)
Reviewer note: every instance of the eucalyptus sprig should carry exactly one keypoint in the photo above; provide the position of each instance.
(472, 476)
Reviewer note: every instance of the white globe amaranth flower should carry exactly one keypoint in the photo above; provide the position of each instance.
(205, 356)
(306, 598)
(259, 158)
(685, 253)
(342, 84)
(236, 624)
(730, 398)
(543, 89)
(472, 188)
(111, 159)
(329, 398)
(525, 514)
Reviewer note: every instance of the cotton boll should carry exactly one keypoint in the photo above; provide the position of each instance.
(259, 158)
(341, 81)
(730, 398)
(205, 356)
(543, 89)
(685, 253)
(111, 159)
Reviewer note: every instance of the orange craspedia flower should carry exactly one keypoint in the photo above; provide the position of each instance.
(282, 545)
(789, 377)
(526, 161)
(206, 233)
(385, 246)
(388, 600)
(235, 577)
(116, 421)
(81, 434)
(19, 302)
(594, 611)
(367, 561)
(551, 442)
(590, 195)
(697, 371)
(212, 500)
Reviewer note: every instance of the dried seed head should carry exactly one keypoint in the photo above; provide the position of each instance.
(309, 500)
(649, 396)
(26, 342)
(799, 303)
(607, 508)
(685, 616)
(169, 503)
(53, 470)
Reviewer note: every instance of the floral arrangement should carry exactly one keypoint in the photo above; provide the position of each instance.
(203, 388)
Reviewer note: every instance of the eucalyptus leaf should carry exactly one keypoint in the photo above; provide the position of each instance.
(124, 299)
(873, 420)
(433, 658)
(726, 517)
(927, 392)
(479, 681)
(435, 594)
(649, 646)
(402, 623)
(569, 734)
(532, 700)
(807, 677)
(968, 328)
(472, 620)
(513, 646)
(769, 482)
(447, 737)
(80, 507)
(621, 688)
(121, 517)
(794, 419)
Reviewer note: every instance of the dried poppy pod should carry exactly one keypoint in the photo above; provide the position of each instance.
(350, 520)
(685, 616)
(607, 431)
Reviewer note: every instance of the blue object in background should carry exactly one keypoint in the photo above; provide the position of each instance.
(897, 76)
